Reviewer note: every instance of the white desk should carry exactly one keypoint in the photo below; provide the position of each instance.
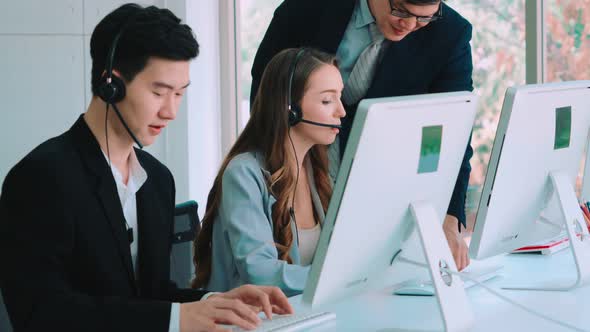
(380, 311)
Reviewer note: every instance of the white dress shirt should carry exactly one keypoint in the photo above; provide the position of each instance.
(127, 196)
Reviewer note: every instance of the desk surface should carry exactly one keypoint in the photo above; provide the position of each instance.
(381, 311)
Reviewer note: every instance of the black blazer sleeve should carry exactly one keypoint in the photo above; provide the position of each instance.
(456, 75)
(286, 30)
(36, 243)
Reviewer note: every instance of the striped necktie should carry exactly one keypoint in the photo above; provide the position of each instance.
(363, 71)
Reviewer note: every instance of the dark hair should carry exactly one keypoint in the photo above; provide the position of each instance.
(423, 2)
(266, 132)
(145, 32)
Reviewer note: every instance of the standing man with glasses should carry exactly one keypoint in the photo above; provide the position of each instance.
(386, 48)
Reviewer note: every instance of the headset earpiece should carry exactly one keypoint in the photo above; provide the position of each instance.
(295, 115)
(112, 92)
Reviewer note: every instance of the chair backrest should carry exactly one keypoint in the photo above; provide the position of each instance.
(186, 226)
(4, 321)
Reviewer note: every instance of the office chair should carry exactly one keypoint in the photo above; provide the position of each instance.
(5, 325)
(186, 226)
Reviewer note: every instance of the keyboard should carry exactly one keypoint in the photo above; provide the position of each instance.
(287, 323)
(426, 288)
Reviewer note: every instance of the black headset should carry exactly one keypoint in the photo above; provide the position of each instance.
(295, 112)
(112, 89)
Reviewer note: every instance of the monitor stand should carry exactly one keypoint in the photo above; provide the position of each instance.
(571, 216)
(449, 290)
(585, 192)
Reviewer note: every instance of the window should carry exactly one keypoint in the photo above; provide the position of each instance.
(498, 54)
(567, 26)
(255, 16)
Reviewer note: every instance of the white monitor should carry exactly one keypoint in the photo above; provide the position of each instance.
(529, 189)
(398, 172)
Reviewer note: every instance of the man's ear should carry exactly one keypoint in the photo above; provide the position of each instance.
(118, 74)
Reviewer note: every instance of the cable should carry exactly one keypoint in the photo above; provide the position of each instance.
(106, 134)
(292, 209)
(493, 292)
(530, 311)
(544, 220)
(409, 261)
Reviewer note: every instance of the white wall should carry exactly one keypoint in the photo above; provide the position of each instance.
(45, 63)
(194, 139)
(42, 61)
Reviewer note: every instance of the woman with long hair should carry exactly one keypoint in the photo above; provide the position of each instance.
(265, 210)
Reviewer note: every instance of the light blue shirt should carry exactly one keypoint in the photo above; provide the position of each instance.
(356, 38)
(243, 249)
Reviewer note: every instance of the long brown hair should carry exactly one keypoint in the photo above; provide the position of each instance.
(266, 132)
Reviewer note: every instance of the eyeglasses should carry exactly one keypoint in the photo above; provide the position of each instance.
(402, 13)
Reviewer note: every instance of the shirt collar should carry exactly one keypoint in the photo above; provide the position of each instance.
(137, 175)
(364, 16)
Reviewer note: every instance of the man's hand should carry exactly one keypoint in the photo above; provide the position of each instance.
(456, 243)
(205, 315)
(265, 298)
(240, 307)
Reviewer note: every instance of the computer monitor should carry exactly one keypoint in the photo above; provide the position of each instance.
(398, 172)
(529, 190)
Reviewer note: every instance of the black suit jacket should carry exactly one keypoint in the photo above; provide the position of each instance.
(64, 252)
(435, 58)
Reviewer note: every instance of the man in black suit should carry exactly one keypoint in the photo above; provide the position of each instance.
(425, 50)
(86, 220)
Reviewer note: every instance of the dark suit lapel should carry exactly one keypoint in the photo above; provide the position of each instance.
(108, 196)
(393, 76)
(106, 190)
(391, 71)
(334, 20)
(153, 233)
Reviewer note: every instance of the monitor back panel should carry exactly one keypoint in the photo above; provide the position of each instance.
(400, 150)
(542, 128)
